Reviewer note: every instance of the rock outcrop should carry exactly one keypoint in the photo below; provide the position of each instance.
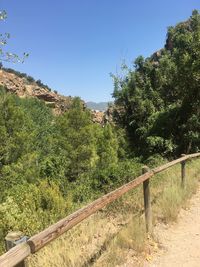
(24, 87)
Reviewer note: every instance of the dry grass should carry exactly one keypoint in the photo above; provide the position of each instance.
(168, 197)
(131, 240)
(133, 236)
(109, 235)
(174, 197)
(77, 246)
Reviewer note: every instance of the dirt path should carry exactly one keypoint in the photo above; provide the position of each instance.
(180, 242)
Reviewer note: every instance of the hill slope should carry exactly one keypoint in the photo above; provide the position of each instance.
(22, 87)
(25, 86)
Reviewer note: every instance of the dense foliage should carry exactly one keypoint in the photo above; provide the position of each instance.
(158, 101)
(50, 165)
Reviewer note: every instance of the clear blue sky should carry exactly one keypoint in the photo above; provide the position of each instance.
(75, 44)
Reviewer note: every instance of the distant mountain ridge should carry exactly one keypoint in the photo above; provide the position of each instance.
(101, 106)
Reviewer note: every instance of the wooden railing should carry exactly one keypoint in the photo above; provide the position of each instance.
(21, 251)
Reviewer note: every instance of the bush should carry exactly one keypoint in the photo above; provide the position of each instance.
(155, 160)
(30, 208)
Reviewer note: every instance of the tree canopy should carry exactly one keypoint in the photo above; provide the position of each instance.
(158, 100)
(49, 164)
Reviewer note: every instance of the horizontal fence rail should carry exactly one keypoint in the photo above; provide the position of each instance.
(21, 251)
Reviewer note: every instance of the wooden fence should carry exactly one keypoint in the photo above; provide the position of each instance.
(17, 254)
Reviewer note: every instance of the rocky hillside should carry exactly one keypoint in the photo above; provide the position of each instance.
(25, 86)
(22, 87)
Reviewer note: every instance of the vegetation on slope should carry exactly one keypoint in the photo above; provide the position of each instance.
(29, 78)
(50, 166)
(117, 233)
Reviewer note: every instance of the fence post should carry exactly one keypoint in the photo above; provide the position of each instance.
(147, 202)
(14, 238)
(183, 171)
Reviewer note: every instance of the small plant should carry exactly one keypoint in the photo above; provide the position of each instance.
(133, 236)
(170, 203)
(30, 79)
(174, 196)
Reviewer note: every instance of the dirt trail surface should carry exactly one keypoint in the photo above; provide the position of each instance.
(180, 242)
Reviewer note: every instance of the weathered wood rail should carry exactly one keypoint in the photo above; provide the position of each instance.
(21, 251)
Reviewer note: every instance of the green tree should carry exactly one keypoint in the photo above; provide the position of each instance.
(158, 100)
(75, 134)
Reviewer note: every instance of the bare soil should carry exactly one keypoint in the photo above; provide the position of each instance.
(179, 243)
